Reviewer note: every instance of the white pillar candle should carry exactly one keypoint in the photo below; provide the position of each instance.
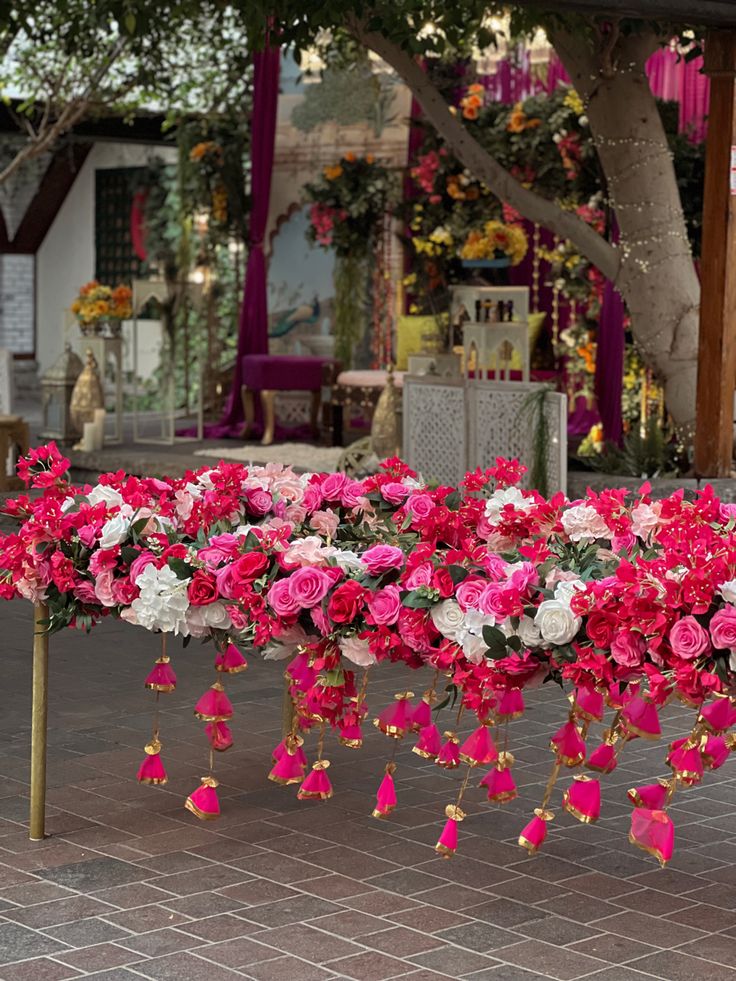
(89, 437)
(99, 424)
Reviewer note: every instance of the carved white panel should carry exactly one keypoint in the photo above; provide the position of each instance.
(435, 443)
(501, 423)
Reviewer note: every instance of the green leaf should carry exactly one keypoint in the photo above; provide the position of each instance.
(496, 641)
(182, 569)
(416, 600)
(457, 573)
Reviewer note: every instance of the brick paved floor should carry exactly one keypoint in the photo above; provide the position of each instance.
(130, 886)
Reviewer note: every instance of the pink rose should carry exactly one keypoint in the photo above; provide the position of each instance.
(85, 591)
(103, 588)
(421, 575)
(321, 620)
(468, 593)
(259, 502)
(523, 576)
(352, 494)
(420, 505)
(325, 523)
(312, 497)
(138, 565)
(280, 599)
(296, 513)
(394, 492)
(688, 640)
(627, 649)
(333, 485)
(723, 628)
(491, 600)
(381, 558)
(308, 585)
(384, 606)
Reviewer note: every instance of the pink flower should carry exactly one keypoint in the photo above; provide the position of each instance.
(358, 651)
(688, 640)
(308, 585)
(325, 523)
(259, 502)
(382, 558)
(138, 565)
(468, 593)
(281, 600)
(384, 606)
(420, 576)
(395, 492)
(420, 505)
(723, 628)
(333, 486)
(627, 649)
(103, 588)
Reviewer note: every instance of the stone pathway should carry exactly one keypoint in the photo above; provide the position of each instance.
(130, 886)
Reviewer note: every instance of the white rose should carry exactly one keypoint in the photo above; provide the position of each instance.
(556, 622)
(347, 560)
(528, 632)
(449, 619)
(565, 590)
(499, 499)
(201, 619)
(102, 493)
(728, 591)
(358, 651)
(474, 648)
(582, 522)
(114, 531)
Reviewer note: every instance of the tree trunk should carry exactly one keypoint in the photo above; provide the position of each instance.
(657, 276)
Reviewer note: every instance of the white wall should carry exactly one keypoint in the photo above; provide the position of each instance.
(66, 259)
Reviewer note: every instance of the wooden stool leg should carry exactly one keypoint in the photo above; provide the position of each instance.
(249, 410)
(314, 413)
(269, 416)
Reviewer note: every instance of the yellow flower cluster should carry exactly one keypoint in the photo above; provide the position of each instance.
(439, 240)
(573, 101)
(97, 302)
(494, 241)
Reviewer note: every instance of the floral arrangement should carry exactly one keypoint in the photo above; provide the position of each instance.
(209, 155)
(348, 204)
(496, 241)
(625, 601)
(97, 302)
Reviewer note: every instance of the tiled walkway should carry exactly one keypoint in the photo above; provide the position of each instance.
(131, 886)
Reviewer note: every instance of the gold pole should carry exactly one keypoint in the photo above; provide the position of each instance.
(287, 709)
(39, 712)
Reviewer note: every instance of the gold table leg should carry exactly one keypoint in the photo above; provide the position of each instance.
(249, 413)
(269, 416)
(39, 713)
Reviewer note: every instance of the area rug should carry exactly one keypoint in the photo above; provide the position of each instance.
(301, 456)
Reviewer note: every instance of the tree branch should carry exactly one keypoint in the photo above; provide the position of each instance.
(480, 163)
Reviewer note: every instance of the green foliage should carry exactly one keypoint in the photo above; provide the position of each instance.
(349, 95)
(653, 453)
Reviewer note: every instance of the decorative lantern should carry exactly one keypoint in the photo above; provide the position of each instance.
(87, 394)
(57, 385)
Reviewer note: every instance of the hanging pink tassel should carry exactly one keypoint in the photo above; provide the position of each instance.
(300, 670)
(479, 749)
(230, 661)
(203, 802)
(396, 720)
(219, 735)
(651, 795)
(293, 745)
(499, 781)
(603, 758)
(429, 743)
(533, 835)
(582, 799)
(449, 754)
(214, 705)
(653, 832)
(686, 763)
(715, 752)
(640, 717)
(447, 844)
(291, 764)
(386, 795)
(568, 744)
(152, 770)
(510, 705)
(351, 735)
(422, 714)
(720, 714)
(162, 677)
(588, 703)
(316, 784)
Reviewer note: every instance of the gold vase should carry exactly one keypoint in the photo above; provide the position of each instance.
(87, 394)
(385, 428)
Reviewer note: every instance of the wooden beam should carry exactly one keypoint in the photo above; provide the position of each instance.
(717, 350)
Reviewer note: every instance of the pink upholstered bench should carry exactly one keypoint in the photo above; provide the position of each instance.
(271, 373)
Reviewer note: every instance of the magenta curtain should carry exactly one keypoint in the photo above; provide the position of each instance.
(253, 327)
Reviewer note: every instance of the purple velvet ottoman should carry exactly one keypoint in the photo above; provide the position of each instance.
(271, 373)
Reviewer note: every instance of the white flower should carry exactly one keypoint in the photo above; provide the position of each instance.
(566, 589)
(309, 551)
(347, 560)
(471, 635)
(583, 120)
(449, 619)
(358, 651)
(582, 523)
(499, 499)
(205, 480)
(201, 619)
(101, 492)
(474, 648)
(644, 519)
(528, 632)
(728, 591)
(114, 531)
(163, 602)
(732, 661)
(283, 646)
(556, 622)
(184, 504)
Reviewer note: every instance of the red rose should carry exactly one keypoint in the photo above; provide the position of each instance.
(442, 580)
(345, 602)
(202, 589)
(250, 566)
(600, 630)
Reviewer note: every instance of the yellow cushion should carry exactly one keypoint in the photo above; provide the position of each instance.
(410, 334)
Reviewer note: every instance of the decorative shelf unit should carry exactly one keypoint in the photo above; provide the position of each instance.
(489, 343)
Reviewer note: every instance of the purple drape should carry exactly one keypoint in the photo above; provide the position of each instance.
(253, 327)
(609, 364)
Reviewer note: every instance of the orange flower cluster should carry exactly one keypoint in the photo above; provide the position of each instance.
(472, 103)
(462, 190)
(98, 302)
(519, 121)
(331, 173)
(205, 149)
